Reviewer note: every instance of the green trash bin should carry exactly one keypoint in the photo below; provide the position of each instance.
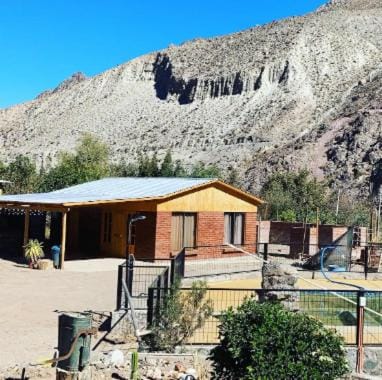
(68, 327)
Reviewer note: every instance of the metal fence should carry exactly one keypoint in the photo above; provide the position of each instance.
(142, 274)
(213, 260)
(339, 257)
(341, 310)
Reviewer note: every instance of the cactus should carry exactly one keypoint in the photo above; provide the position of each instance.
(134, 366)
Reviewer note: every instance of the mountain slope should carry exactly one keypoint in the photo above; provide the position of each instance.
(271, 97)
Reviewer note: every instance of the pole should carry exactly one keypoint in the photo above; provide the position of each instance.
(379, 215)
(317, 227)
(265, 251)
(63, 239)
(338, 204)
(361, 303)
(26, 228)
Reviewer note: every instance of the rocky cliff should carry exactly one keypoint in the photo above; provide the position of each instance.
(301, 92)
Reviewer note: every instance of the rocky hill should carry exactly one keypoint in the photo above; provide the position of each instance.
(301, 92)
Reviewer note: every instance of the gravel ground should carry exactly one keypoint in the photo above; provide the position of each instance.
(31, 299)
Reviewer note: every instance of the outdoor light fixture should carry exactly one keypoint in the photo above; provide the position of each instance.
(134, 219)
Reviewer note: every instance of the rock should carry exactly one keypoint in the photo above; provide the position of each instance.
(180, 367)
(115, 358)
(276, 276)
(45, 264)
(154, 374)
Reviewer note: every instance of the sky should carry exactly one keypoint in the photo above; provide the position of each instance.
(44, 42)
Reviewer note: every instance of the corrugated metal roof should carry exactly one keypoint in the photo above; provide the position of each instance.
(110, 189)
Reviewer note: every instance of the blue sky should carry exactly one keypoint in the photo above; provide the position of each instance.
(44, 41)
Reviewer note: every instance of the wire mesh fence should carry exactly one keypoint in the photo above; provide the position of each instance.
(145, 273)
(212, 260)
(337, 310)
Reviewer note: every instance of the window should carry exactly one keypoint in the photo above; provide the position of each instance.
(183, 226)
(233, 228)
(107, 223)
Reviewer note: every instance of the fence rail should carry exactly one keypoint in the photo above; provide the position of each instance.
(339, 309)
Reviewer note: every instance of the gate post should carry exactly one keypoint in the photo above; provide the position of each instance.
(130, 273)
(265, 251)
(361, 303)
(366, 261)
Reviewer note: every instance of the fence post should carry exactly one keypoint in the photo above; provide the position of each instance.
(177, 266)
(366, 261)
(266, 251)
(119, 287)
(158, 300)
(130, 273)
(150, 306)
(361, 303)
(172, 269)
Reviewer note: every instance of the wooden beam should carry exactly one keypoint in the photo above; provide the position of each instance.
(63, 239)
(18, 206)
(26, 228)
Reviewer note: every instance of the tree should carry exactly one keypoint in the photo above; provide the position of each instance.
(89, 162)
(153, 169)
(167, 168)
(297, 193)
(200, 170)
(143, 165)
(179, 170)
(267, 341)
(3, 169)
(233, 177)
(122, 169)
(23, 175)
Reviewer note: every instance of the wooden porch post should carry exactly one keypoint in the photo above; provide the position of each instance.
(63, 239)
(26, 228)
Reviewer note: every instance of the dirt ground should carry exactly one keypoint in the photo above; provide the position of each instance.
(32, 299)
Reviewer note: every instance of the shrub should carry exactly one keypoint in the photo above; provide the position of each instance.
(33, 251)
(181, 314)
(266, 341)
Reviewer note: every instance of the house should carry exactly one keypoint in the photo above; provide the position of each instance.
(98, 219)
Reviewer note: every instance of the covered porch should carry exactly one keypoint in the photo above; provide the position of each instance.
(82, 232)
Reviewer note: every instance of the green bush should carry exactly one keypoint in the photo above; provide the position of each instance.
(266, 341)
(181, 314)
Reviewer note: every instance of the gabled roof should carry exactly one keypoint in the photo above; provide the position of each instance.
(118, 190)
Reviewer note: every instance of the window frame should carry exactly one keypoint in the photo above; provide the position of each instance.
(183, 215)
(232, 217)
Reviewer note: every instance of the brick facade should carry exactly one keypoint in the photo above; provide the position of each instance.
(209, 238)
(163, 235)
(209, 228)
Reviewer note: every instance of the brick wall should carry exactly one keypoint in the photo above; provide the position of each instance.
(163, 235)
(250, 231)
(210, 228)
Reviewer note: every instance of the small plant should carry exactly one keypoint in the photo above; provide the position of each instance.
(134, 375)
(267, 341)
(33, 252)
(180, 315)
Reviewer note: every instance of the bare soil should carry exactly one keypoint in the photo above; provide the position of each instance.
(31, 301)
